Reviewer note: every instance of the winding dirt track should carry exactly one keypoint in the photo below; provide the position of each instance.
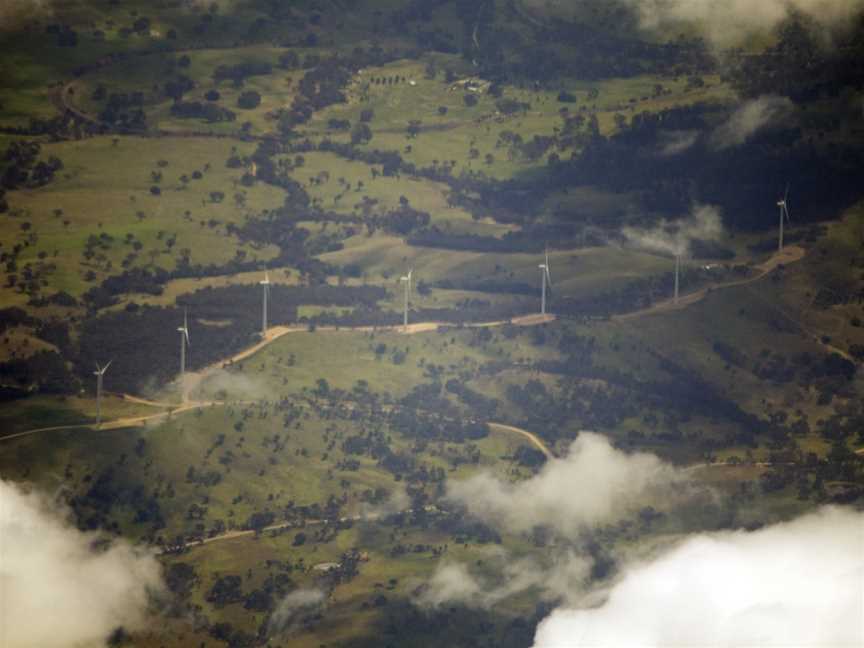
(533, 438)
(788, 255)
(273, 334)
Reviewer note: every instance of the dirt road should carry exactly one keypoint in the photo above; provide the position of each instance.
(789, 255)
(533, 438)
(193, 379)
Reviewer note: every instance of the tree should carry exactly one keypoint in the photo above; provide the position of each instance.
(413, 128)
(249, 100)
(361, 134)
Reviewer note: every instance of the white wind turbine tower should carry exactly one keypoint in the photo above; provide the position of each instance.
(266, 286)
(407, 281)
(99, 373)
(784, 211)
(545, 278)
(184, 340)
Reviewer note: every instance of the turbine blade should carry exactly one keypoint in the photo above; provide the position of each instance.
(105, 368)
(786, 194)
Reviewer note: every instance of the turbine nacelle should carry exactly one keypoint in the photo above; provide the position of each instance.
(184, 329)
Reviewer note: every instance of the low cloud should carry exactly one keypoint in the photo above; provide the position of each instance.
(594, 484)
(727, 23)
(397, 502)
(59, 588)
(752, 117)
(799, 583)
(676, 142)
(675, 237)
(291, 609)
(564, 577)
(234, 387)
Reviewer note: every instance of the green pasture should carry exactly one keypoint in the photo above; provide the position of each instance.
(388, 362)
(43, 411)
(574, 272)
(349, 187)
(104, 188)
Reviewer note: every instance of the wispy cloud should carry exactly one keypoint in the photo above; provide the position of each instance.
(564, 576)
(752, 117)
(676, 142)
(675, 237)
(293, 607)
(727, 23)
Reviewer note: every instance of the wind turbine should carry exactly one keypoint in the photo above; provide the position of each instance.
(184, 340)
(266, 285)
(99, 373)
(677, 273)
(545, 277)
(407, 281)
(784, 211)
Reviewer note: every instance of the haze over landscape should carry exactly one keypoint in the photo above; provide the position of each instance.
(408, 323)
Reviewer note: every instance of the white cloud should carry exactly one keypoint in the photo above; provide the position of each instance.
(57, 589)
(594, 484)
(235, 386)
(795, 584)
(451, 583)
(727, 23)
(291, 609)
(397, 502)
(674, 237)
(562, 576)
(749, 119)
(675, 142)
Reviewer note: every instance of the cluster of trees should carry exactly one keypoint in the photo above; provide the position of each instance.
(143, 341)
(799, 66)
(122, 109)
(413, 423)
(23, 168)
(239, 72)
(202, 110)
(44, 372)
(65, 34)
